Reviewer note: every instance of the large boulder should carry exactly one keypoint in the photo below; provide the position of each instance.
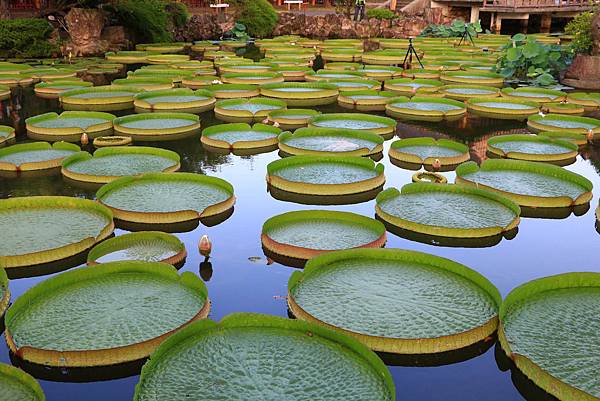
(204, 27)
(584, 72)
(85, 29)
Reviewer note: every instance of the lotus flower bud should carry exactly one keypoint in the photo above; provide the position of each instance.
(205, 246)
(590, 135)
(217, 82)
(85, 140)
(541, 113)
(265, 121)
(437, 164)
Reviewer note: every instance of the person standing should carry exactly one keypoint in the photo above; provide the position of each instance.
(359, 9)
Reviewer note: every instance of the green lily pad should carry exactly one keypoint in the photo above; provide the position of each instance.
(379, 125)
(325, 141)
(549, 329)
(447, 210)
(16, 385)
(240, 135)
(35, 155)
(140, 301)
(533, 148)
(147, 246)
(276, 358)
(401, 301)
(180, 196)
(528, 183)
(304, 234)
(110, 163)
(41, 229)
(559, 122)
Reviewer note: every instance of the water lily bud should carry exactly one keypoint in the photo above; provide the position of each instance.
(265, 121)
(205, 246)
(437, 164)
(85, 139)
(276, 124)
(590, 135)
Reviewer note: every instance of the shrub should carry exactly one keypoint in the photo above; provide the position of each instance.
(26, 37)
(528, 60)
(581, 29)
(179, 13)
(381, 13)
(454, 30)
(259, 16)
(149, 19)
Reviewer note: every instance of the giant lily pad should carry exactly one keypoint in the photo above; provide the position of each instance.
(16, 385)
(383, 126)
(235, 68)
(591, 101)
(291, 119)
(99, 98)
(533, 148)
(157, 126)
(559, 122)
(148, 246)
(403, 302)
(344, 85)
(277, 358)
(539, 95)
(548, 328)
(447, 210)
(526, 183)
(6, 134)
(175, 100)
(123, 310)
(464, 92)
(108, 164)
(35, 156)
(325, 175)
(44, 229)
(380, 72)
(425, 108)
(426, 151)
(69, 125)
(148, 83)
(239, 136)
(252, 78)
(301, 93)
(52, 90)
(410, 87)
(304, 234)
(128, 57)
(247, 110)
(4, 92)
(365, 100)
(328, 141)
(473, 77)
(164, 198)
(233, 91)
(327, 75)
(502, 108)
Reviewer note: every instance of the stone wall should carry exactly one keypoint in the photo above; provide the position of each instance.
(339, 26)
(203, 27)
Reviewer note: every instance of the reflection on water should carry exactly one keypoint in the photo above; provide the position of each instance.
(239, 281)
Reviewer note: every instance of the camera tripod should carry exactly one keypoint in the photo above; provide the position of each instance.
(466, 35)
(409, 54)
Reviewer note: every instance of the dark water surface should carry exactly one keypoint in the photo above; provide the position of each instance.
(238, 282)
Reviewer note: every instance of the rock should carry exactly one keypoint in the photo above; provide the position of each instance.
(85, 29)
(204, 27)
(341, 26)
(116, 37)
(583, 73)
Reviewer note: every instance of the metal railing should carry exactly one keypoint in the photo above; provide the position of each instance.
(544, 4)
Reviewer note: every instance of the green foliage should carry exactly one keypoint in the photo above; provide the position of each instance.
(345, 7)
(238, 33)
(258, 16)
(179, 13)
(26, 37)
(454, 30)
(149, 19)
(581, 29)
(528, 60)
(381, 13)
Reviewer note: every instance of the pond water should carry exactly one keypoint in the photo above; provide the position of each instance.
(239, 278)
